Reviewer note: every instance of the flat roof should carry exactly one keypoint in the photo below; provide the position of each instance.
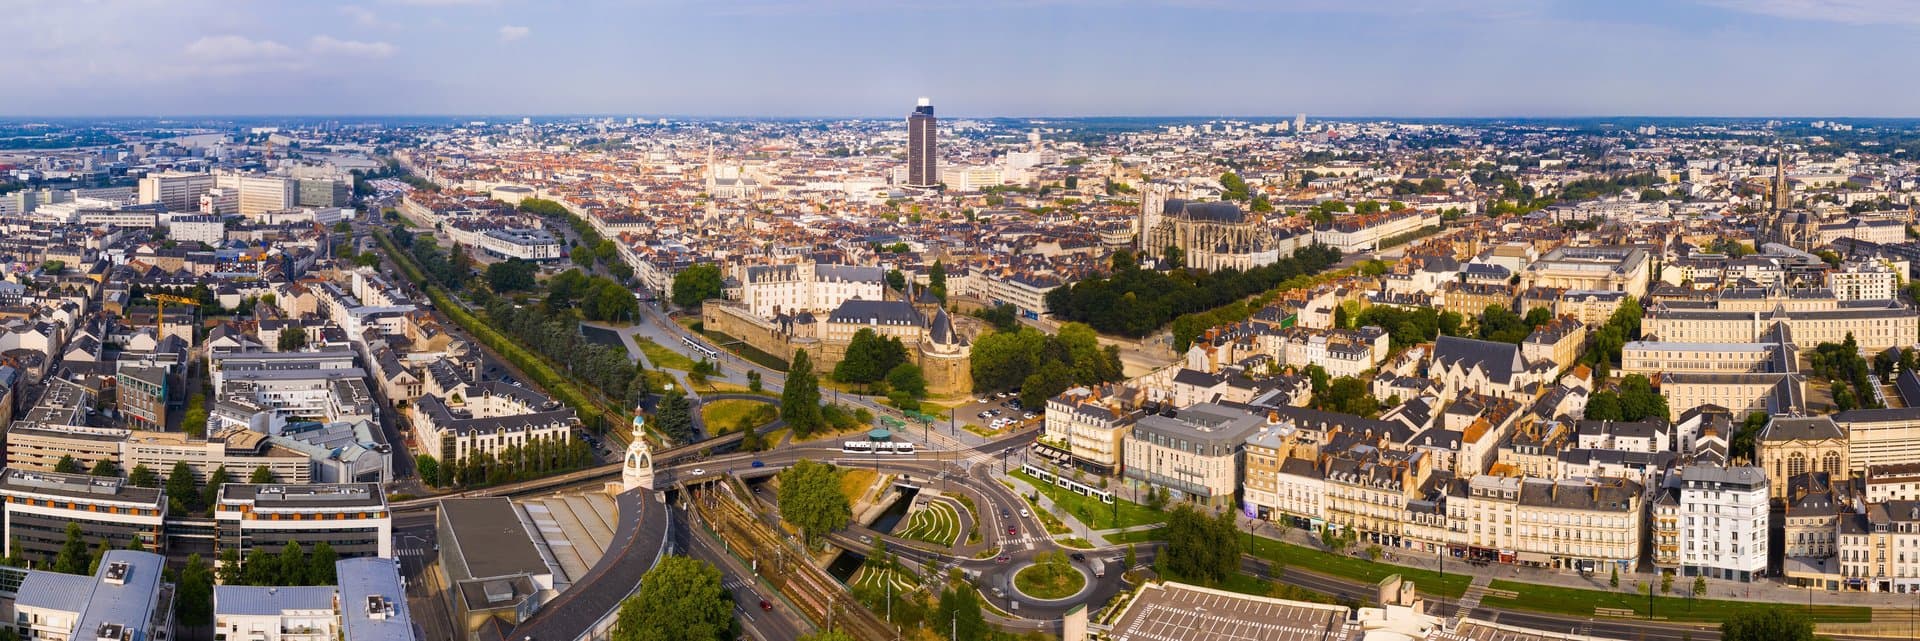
(491, 538)
(1177, 612)
(362, 578)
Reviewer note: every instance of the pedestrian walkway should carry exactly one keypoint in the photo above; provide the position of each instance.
(1470, 600)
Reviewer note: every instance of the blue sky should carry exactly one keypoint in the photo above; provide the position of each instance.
(974, 57)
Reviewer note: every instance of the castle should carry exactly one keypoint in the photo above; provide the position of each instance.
(934, 340)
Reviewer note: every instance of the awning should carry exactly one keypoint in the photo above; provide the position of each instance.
(1532, 557)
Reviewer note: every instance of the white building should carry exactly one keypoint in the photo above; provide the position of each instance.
(259, 194)
(202, 228)
(121, 601)
(768, 289)
(521, 243)
(179, 191)
(1723, 522)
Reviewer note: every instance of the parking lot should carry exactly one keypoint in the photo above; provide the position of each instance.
(997, 412)
(1172, 612)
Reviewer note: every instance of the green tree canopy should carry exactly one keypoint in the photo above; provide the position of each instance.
(800, 399)
(1767, 624)
(511, 274)
(696, 283)
(680, 599)
(810, 498)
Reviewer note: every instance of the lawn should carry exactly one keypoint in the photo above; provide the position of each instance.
(661, 357)
(1049, 581)
(1095, 514)
(854, 482)
(938, 523)
(1579, 602)
(1340, 565)
(725, 415)
(877, 578)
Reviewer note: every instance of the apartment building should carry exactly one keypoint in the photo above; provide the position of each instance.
(1091, 425)
(259, 194)
(1195, 454)
(40, 505)
(1723, 522)
(352, 518)
(126, 599)
(489, 419)
(239, 451)
(1878, 550)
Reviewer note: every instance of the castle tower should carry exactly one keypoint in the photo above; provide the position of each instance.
(637, 471)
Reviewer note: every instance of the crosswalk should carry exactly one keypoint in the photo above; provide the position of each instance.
(1029, 541)
(735, 583)
(410, 552)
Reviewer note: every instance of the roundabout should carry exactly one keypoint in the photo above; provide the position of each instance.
(1049, 580)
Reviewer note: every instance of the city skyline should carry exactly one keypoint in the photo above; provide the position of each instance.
(831, 58)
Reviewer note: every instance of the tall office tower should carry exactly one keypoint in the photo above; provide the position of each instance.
(178, 191)
(923, 169)
(1300, 122)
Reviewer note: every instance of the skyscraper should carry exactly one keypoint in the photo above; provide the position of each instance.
(922, 166)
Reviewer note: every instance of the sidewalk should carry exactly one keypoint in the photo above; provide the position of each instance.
(1767, 591)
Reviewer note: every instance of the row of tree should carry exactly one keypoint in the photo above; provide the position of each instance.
(537, 457)
(592, 248)
(1634, 400)
(1852, 379)
(1134, 302)
(292, 565)
(1042, 365)
(556, 335)
(447, 269)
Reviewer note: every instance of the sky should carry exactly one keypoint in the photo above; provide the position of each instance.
(974, 58)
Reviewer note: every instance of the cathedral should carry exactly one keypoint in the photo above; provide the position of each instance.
(1209, 235)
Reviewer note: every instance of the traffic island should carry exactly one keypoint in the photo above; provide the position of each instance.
(1050, 581)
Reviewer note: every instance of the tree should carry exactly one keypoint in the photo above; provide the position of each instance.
(959, 615)
(181, 483)
(72, 558)
(1200, 547)
(68, 465)
(673, 416)
(1666, 582)
(695, 284)
(1699, 586)
(194, 603)
(680, 599)
(291, 566)
(293, 338)
(215, 481)
(1767, 624)
(429, 469)
(105, 467)
(753, 381)
(511, 274)
(260, 476)
(869, 357)
(1614, 581)
(800, 399)
(143, 476)
(907, 377)
(896, 280)
(937, 280)
(810, 497)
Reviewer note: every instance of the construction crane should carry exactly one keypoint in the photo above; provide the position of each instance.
(160, 319)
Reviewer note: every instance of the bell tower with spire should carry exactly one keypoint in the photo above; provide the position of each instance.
(637, 471)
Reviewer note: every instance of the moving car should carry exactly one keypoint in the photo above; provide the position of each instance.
(766, 605)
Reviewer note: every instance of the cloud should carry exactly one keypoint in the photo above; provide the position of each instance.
(332, 45)
(511, 33)
(1853, 12)
(364, 17)
(232, 47)
(446, 3)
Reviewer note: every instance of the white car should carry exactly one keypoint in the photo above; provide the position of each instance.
(699, 472)
(1023, 513)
